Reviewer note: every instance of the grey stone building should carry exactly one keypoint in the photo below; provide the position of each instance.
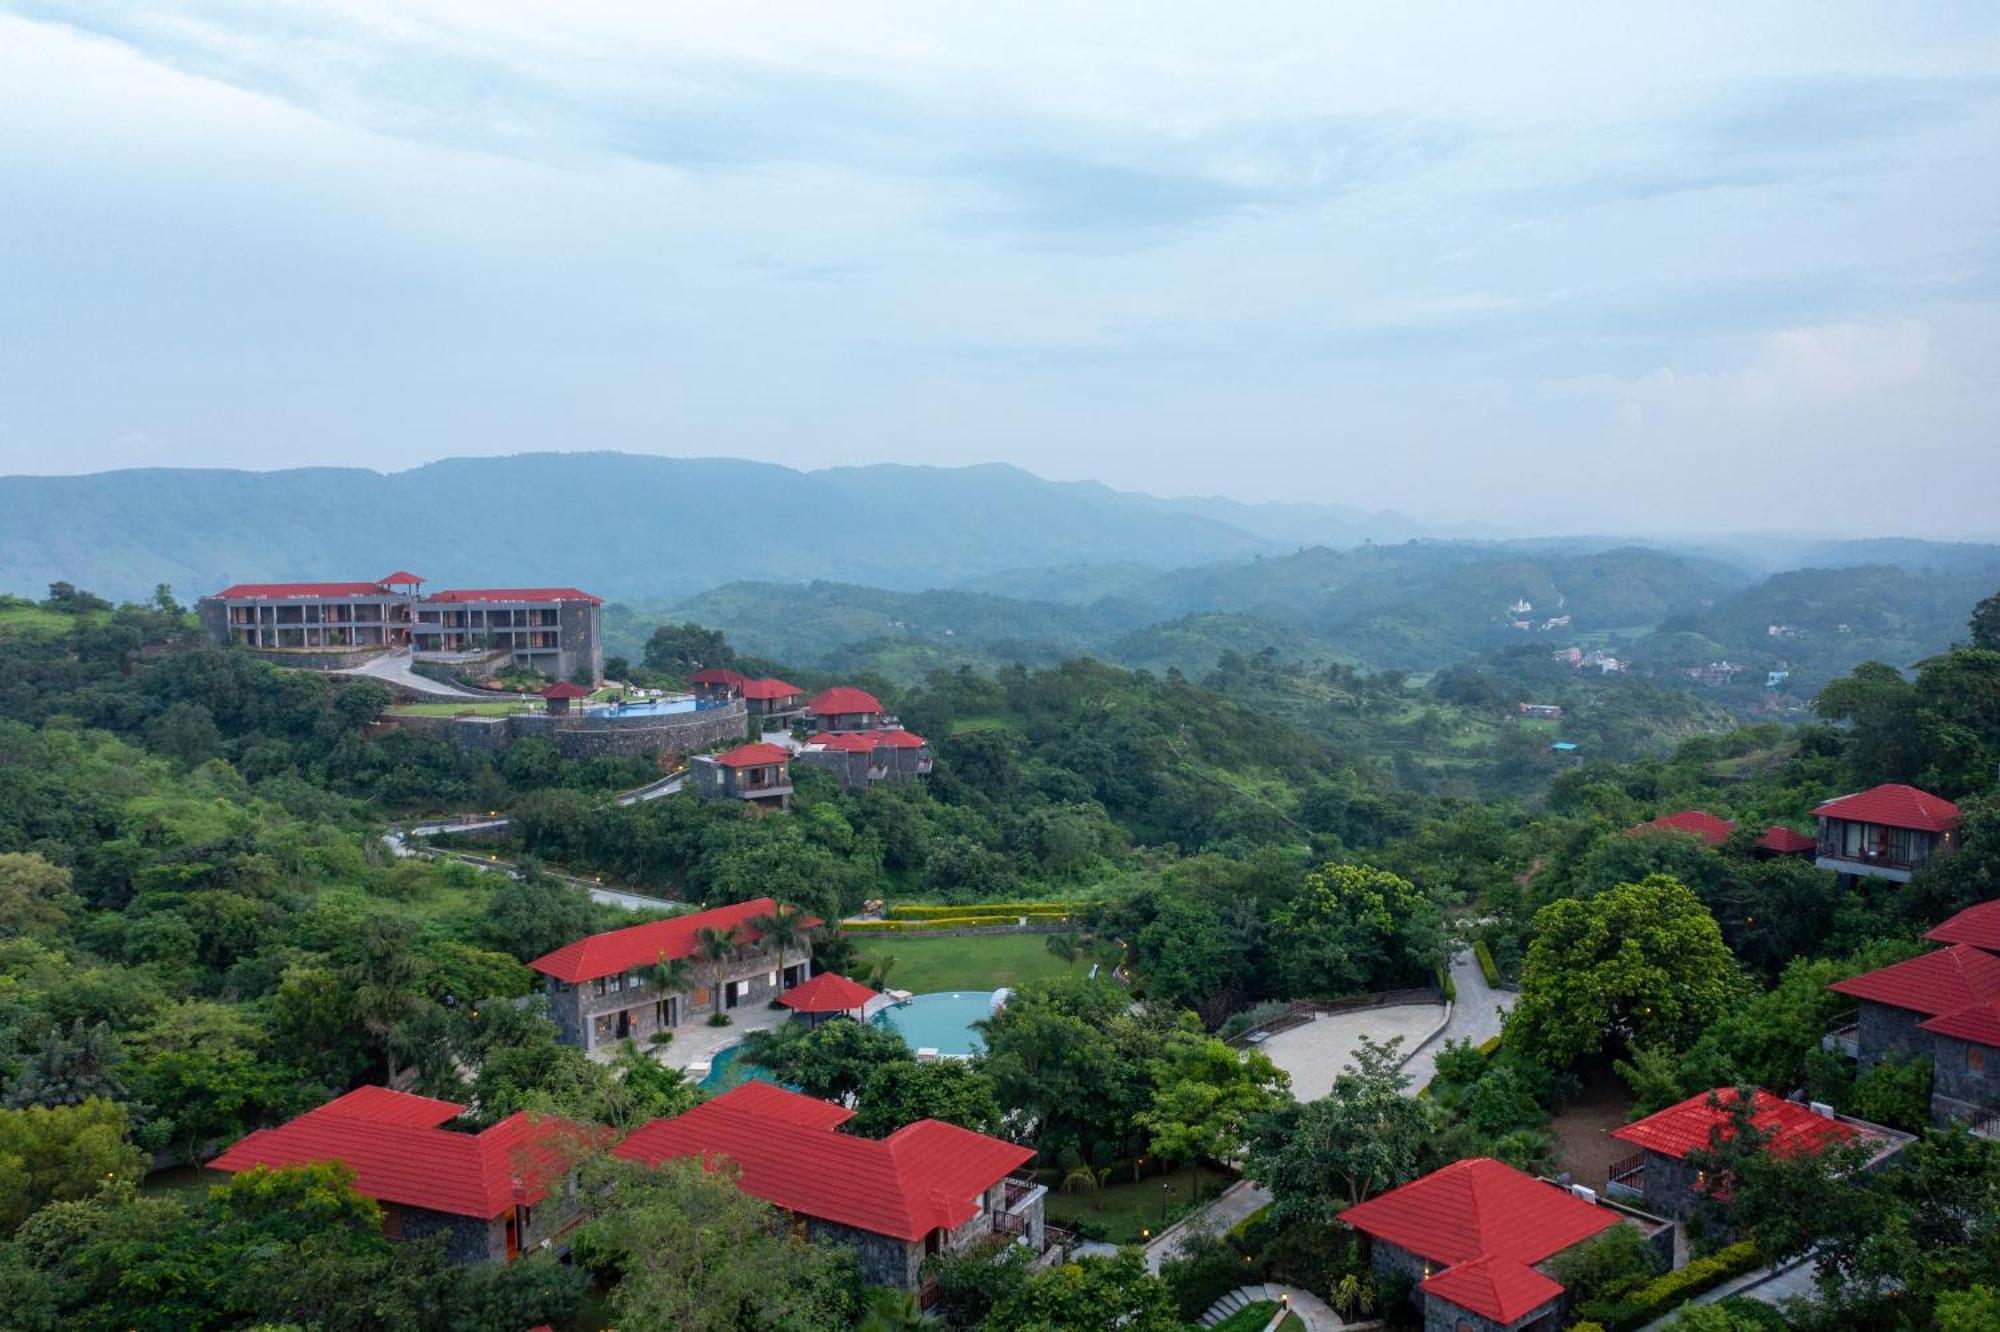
(1943, 1006)
(558, 631)
(308, 617)
(845, 708)
(494, 1195)
(859, 759)
(602, 989)
(927, 1189)
(760, 773)
(1886, 832)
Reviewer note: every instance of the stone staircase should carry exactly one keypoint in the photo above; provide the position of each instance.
(1241, 1298)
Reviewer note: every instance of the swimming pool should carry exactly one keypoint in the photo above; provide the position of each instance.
(941, 1021)
(724, 1071)
(653, 707)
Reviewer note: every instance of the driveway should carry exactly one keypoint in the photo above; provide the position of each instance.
(393, 669)
(1314, 1053)
(1476, 1016)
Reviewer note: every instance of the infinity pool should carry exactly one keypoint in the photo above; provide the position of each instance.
(941, 1022)
(652, 707)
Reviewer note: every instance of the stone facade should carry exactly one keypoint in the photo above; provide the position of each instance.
(1883, 1030)
(768, 783)
(1010, 1207)
(307, 622)
(856, 770)
(587, 735)
(1442, 1316)
(597, 1013)
(469, 1240)
(1965, 1080)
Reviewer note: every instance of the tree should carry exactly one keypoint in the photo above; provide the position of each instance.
(69, 1068)
(1362, 1137)
(902, 1092)
(682, 1247)
(781, 930)
(65, 1151)
(671, 975)
(1089, 1295)
(35, 896)
(1985, 624)
(683, 649)
(833, 1060)
(531, 915)
(645, 1089)
(1641, 962)
(1206, 1094)
(1349, 927)
(718, 948)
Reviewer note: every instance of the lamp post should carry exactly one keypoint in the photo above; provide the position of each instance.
(1166, 1192)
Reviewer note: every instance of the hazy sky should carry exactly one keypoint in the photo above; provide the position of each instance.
(1578, 266)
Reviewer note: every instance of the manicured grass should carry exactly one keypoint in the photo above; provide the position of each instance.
(1250, 1318)
(975, 962)
(1128, 1210)
(454, 709)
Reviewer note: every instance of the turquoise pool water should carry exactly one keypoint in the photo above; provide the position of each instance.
(941, 1021)
(724, 1071)
(655, 707)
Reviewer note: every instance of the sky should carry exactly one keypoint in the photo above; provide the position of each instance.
(1681, 267)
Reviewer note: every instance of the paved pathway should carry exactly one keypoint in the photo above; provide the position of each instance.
(1313, 1311)
(393, 668)
(1316, 1052)
(1475, 1016)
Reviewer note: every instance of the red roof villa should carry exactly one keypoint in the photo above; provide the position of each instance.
(927, 1188)
(760, 773)
(1944, 1005)
(601, 989)
(1715, 831)
(1885, 832)
(1661, 1174)
(859, 759)
(772, 698)
(718, 682)
(492, 1194)
(845, 708)
(1477, 1236)
(1781, 841)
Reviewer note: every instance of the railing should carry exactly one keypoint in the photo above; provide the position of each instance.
(1844, 1035)
(1307, 1009)
(1626, 1177)
(1985, 1126)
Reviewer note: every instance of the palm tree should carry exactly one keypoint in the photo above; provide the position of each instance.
(891, 1310)
(877, 976)
(783, 929)
(672, 975)
(718, 948)
(1068, 946)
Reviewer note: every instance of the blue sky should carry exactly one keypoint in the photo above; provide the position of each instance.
(1681, 267)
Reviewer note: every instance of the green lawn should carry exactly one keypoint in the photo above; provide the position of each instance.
(975, 962)
(35, 620)
(1127, 1211)
(454, 709)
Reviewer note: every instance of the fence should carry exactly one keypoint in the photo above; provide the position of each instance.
(1306, 1010)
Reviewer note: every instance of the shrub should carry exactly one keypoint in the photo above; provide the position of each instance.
(660, 1037)
(1447, 985)
(1250, 1318)
(981, 909)
(718, 1019)
(1484, 957)
(1249, 1019)
(1490, 1046)
(947, 922)
(1646, 1303)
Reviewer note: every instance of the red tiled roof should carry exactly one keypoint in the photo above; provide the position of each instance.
(827, 992)
(1700, 822)
(1498, 1288)
(564, 689)
(1978, 1023)
(771, 1101)
(865, 741)
(400, 576)
(770, 688)
(513, 594)
(719, 675)
(641, 945)
(923, 1176)
(1476, 1208)
(1976, 925)
(398, 1157)
(1941, 982)
(1784, 841)
(292, 591)
(843, 699)
(749, 756)
(1690, 1125)
(1894, 806)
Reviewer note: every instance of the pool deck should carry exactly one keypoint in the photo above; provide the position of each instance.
(698, 1043)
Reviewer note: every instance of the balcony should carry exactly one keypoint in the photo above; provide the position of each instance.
(1844, 1036)
(1626, 1179)
(1985, 1126)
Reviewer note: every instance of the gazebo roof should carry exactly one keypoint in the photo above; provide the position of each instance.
(564, 689)
(827, 992)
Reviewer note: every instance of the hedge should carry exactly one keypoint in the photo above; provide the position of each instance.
(1641, 1306)
(1489, 1045)
(1447, 985)
(939, 923)
(1484, 956)
(980, 909)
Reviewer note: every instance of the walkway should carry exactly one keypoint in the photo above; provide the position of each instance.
(1476, 1016)
(1313, 1311)
(1315, 1053)
(393, 668)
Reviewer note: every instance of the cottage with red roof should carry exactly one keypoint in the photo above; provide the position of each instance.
(859, 759)
(845, 708)
(760, 773)
(1944, 1005)
(718, 683)
(492, 1194)
(555, 630)
(1477, 1237)
(1885, 832)
(602, 988)
(1662, 1176)
(1715, 831)
(1777, 840)
(773, 699)
(928, 1188)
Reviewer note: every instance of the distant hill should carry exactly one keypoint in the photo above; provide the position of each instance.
(616, 524)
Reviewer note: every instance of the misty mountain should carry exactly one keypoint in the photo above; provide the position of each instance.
(617, 524)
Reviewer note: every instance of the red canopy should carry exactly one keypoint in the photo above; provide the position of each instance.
(827, 992)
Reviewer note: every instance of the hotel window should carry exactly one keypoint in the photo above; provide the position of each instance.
(1975, 1059)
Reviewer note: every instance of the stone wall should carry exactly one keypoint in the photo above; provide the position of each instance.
(447, 667)
(580, 638)
(1883, 1031)
(885, 1260)
(582, 736)
(467, 1239)
(1958, 1090)
(317, 659)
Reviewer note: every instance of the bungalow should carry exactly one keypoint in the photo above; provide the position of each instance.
(928, 1188)
(772, 699)
(1700, 822)
(1887, 832)
(845, 708)
(1669, 1184)
(718, 683)
(760, 773)
(1944, 1005)
(492, 1194)
(1778, 840)
(601, 989)
(861, 758)
(1477, 1236)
